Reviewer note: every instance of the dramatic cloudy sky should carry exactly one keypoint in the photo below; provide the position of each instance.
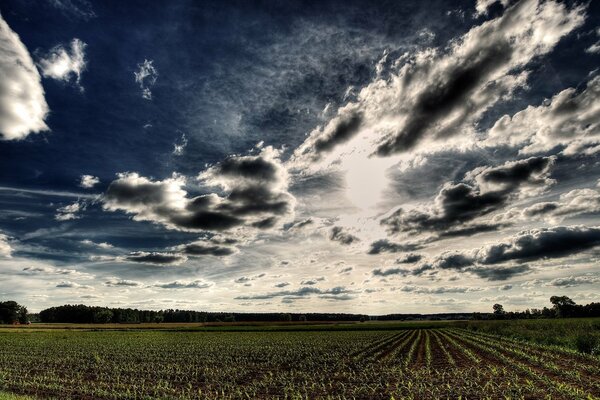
(355, 156)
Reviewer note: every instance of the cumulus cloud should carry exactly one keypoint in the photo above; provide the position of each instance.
(88, 181)
(571, 120)
(146, 76)
(484, 190)
(23, 107)
(569, 204)
(64, 64)
(337, 234)
(438, 93)
(255, 196)
(156, 258)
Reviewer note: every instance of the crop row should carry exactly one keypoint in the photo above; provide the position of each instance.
(411, 364)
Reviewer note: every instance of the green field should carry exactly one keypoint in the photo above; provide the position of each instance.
(417, 360)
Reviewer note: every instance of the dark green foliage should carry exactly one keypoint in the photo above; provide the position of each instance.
(588, 343)
(12, 312)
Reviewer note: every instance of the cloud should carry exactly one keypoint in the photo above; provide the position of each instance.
(439, 93)
(102, 245)
(5, 248)
(179, 146)
(570, 204)
(70, 211)
(246, 279)
(385, 246)
(488, 262)
(48, 270)
(256, 196)
(484, 190)
(64, 64)
(571, 119)
(23, 107)
(197, 284)
(302, 292)
(72, 285)
(438, 290)
(282, 284)
(390, 271)
(88, 181)
(541, 243)
(482, 6)
(337, 234)
(146, 76)
(122, 283)
(572, 281)
(78, 9)
(156, 258)
(595, 48)
(410, 258)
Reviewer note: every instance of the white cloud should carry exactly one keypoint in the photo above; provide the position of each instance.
(102, 245)
(146, 76)
(5, 248)
(436, 94)
(180, 145)
(23, 107)
(88, 181)
(595, 48)
(570, 119)
(64, 64)
(70, 211)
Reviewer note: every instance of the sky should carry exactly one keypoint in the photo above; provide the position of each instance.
(274, 156)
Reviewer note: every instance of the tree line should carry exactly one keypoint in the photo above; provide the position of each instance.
(562, 307)
(11, 312)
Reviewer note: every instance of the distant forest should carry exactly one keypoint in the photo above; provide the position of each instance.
(12, 312)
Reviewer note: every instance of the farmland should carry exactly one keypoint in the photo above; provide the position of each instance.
(366, 361)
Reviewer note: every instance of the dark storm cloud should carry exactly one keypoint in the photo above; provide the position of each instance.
(337, 234)
(250, 168)
(218, 246)
(526, 246)
(385, 246)
(256, 188)
(340, 130)
(155, 258)
(542, 243)
(486, 189)
(451, 92)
